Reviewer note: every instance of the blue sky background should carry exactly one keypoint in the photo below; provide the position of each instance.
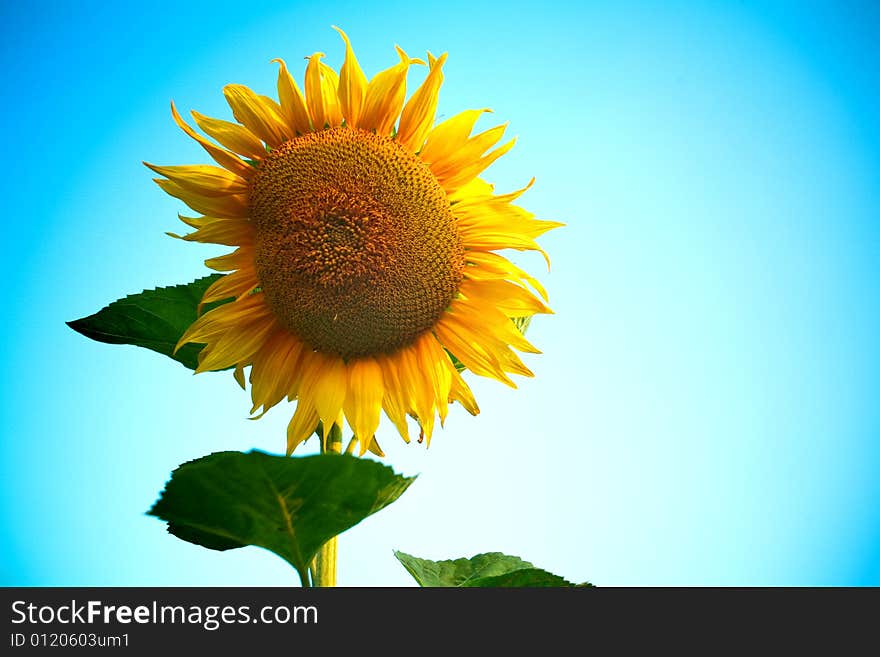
(706, 409)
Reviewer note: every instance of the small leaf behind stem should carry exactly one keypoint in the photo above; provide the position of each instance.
(489, 570)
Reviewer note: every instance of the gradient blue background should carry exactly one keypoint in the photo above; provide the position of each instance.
(706, 409)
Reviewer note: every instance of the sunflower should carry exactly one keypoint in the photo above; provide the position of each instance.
(365, 269)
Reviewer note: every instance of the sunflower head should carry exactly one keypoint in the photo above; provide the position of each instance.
(356, 247)
(366, 264)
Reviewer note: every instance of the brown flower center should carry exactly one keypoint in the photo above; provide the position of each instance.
(357, 250)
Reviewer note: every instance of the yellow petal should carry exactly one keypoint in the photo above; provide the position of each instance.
(229, 232)
(487, 222)
(431, 357)
(273, 370)
(261, 115)
(473, 169)
(196, 222)
(203, 179)
(473, 355)
(321, 94)
(395, 402)
(235, 346)
(468, 153)
(233, 136)
(493, 340)
(302, 425)
(352, 84)
(449, 136)
(384, 97)
(418, 113)
(476, 188)
(484, 239)
(508, 297)
(324, 385)
(232, 285)
(266, 365)
(375, 449)
(297, 371)
(314, 97)
(232, 206)
(491, 266)
(494, 328)
(419, 387)
(512, 196)
(293, 105)
(330, 91)
(238, 375)
(223, 157)
(479, 193)
(238, 259)
(363, 399)
(460, 391)
(222, 319)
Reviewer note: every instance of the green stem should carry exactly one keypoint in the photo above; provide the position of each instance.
(324, 571)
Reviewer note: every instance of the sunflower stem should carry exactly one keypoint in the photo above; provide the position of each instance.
(324, 572)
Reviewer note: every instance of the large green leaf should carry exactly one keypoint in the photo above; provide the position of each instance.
(288, 505)
(154, 319)
(492, 569)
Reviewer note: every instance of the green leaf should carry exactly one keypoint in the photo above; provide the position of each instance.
(526, 577)
(288, 505)
(492, 569)
(459, 571)
(155, 319)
